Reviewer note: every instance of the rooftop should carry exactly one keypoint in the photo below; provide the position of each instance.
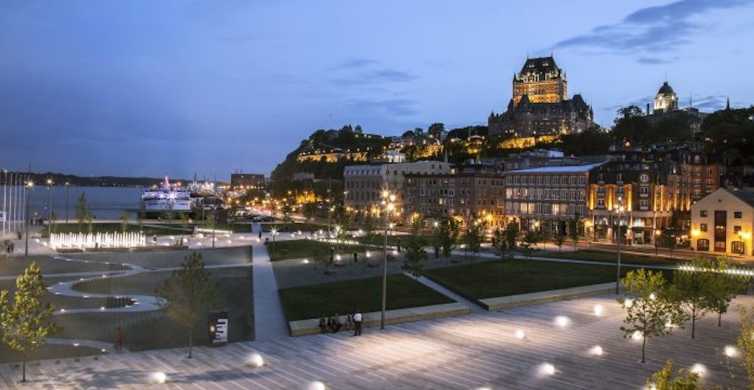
(560, 169)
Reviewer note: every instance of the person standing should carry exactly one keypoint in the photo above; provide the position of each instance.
(357, 321)
(119, 339)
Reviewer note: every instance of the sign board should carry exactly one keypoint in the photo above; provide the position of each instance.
(218, 327)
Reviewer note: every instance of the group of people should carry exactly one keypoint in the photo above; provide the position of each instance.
(333, 324)
(8, 247)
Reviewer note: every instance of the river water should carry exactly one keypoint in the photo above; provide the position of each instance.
(103, 202)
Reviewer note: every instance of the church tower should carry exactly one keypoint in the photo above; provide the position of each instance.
(666, 100)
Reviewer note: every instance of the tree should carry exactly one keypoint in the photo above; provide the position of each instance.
(415, 255)
(309, 210)
(573, 229)
(746, 342)
(511, 235)
(82, 212)
(723, 287)
(692, 291)
(560, 237)
(190, 294)
(531, 238)
(26, 322)
(124, 222)
(666, 379)
(473, 238)
(446, 235)
(650, 310)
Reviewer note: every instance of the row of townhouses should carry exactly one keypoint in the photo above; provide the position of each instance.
(644, 191)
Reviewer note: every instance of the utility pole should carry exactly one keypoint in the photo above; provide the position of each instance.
(67, 188)
(28, 187)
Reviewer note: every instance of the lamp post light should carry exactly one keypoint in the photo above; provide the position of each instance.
(67, 187)
(388, 204)
(620, 233)
(49, 207)
(29, 187)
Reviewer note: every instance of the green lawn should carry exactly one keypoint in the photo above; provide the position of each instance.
(611, 257)
(47, 351)
(290, 227)
(379, 239)
(297, 249)
(155, 330)
(511, 277)
(362, 295)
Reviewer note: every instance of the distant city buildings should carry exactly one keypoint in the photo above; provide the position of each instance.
(247, 181)
(540, 105)
(365, 183)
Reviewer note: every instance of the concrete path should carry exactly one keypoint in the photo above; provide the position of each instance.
(269, 321)
(444, 291)
(464, 353)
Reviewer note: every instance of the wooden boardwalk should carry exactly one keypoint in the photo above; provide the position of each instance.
(470, 352)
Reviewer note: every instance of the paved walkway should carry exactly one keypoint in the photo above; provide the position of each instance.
(269, 321)
(469, 352)
(444, 291)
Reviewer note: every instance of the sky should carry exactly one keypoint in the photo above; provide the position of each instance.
(155, 88)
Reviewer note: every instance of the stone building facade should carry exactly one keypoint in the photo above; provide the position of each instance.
(365, 183)
(547, 198)
(540, 105)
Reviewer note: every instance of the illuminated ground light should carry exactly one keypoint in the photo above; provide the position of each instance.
(562, 321)
(158, 377)
(368, 255)
(255, 360)
(395, 253)
(337, 257)
(628, 302)
(316, 385)
(520, 334)
(699, 369)
(730, 351)
(596, 351)
(546, 369)
(636, 336)
(598, 310)
(305, 261)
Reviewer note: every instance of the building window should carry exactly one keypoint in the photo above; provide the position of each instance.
(737, 247)
(702, 244)
(703, 213)
(736, 229)
(703, 227)
(737, 214)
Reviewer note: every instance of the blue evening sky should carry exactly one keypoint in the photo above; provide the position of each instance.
(177, 87)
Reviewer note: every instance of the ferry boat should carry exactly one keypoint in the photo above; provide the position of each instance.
(166, 197)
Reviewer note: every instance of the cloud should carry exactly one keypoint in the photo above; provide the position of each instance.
(657, 30)
(656, 60)
(355, 63)
(375, 77)
(394, 106)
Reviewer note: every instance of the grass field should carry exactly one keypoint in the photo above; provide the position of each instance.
(290, 227)
(155, 330)
(364, 295)
(297, 249)
(511, 277)
(49, 351)
(379, 239)
(611, 257)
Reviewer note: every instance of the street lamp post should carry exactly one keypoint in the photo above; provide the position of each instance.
(29, 186)
(620, 233)
(49, 207)
(388, 204)
(67, 187)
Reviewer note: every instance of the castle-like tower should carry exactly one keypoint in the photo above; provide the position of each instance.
(666, 100)
(541, 80)
(540, 105)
